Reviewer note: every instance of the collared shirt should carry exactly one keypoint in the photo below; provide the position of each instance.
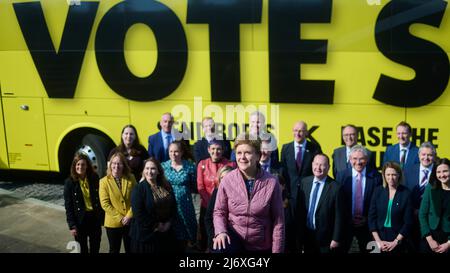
(266, 165)
(319, 193)
(421, 173)
(363, 182)
(297, 146)
(347, 149)
(406, 153)
(164, 137)
(84, 185)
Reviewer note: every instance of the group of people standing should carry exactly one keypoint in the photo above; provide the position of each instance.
(253, 202)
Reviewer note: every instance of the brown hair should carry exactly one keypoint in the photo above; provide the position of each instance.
(248, 139)
(161, 179)
(396, 167)
(134, 146)
(89, 169)
(126, 169)
(185, 150)
(435, 183)
(404, 124)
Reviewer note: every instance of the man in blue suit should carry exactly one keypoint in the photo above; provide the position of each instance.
(341, 155)
(417, 177)
(158, 144)
(404, 152)
(358, 184)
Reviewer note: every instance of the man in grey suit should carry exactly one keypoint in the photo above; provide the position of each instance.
(341, 155)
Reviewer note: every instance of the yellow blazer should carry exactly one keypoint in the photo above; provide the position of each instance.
(116, 203)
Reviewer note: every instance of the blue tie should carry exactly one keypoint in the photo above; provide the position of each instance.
(166, 152)
(312, 206)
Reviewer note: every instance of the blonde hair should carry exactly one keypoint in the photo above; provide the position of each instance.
(222, 171)
(126, 172)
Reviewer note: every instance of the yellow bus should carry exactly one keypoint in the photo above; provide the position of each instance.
(73, 73)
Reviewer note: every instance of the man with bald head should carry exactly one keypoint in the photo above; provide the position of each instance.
(296, 162)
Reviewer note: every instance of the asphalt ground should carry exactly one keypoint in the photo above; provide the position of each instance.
(33, 217)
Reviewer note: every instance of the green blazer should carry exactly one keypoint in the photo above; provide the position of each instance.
(431, 214)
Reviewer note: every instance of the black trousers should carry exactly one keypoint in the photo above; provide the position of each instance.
(203, 241)
(363, 236)
(92, 230)
(115, 236)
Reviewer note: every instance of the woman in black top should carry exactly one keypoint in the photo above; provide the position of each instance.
(132, 149)
(154, 212)
(83, 211)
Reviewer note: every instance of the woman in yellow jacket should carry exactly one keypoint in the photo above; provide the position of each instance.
(115, 199)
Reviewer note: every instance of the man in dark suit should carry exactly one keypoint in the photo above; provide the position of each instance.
(296, 162)
(320, 210)
(258, 129)
(416, 178)
(404, 152)
(341, 155)
(358, 184)
(201, 146)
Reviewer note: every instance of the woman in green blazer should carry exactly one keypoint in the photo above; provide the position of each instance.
(434, 214)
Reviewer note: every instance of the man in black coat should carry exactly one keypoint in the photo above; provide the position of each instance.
(296, 160)
(201, 146)
(320, 219)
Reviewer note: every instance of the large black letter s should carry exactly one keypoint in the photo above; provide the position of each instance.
(428, 60)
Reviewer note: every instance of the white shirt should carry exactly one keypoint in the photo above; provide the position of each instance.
(319, 193)
(406, 152)
(421, 174)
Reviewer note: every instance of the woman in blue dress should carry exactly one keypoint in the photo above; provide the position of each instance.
(181, 174)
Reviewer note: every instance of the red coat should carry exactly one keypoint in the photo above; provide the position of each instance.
(207, 177)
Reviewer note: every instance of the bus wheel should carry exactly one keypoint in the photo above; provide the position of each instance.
(97, 148)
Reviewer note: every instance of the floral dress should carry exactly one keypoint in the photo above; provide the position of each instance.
(186, 223)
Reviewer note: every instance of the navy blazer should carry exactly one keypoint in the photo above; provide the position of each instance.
(156, 147)
(411, 178)
(393, 154)
(373, 179)
(74, 202)
(201, 149)
(340, 162)
(329, 215)
(401, 212)
(291, 175)
(145, 219)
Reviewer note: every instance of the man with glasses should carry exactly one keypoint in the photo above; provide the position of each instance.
(341, 155)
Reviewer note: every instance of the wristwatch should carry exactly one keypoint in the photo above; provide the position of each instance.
(398, 241)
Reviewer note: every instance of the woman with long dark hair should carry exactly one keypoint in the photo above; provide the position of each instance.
(132, 149)
(154, 212)
(83, 211)
(434, 213)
